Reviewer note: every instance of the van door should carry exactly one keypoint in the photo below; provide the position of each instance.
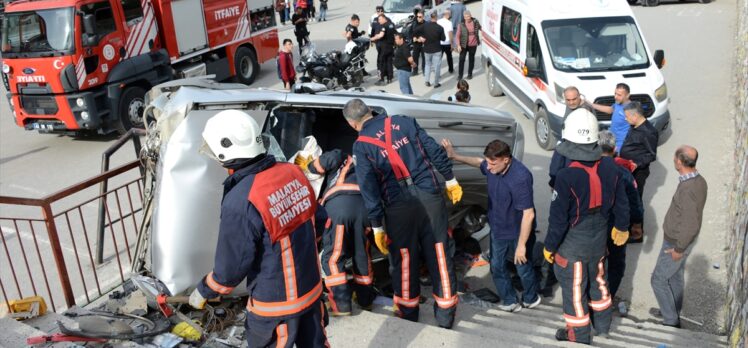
(512, 52)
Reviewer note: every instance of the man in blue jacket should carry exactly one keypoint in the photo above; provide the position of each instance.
(345, 234)
(396, 167)
(585, 194)
(617, 253)
(266, 236)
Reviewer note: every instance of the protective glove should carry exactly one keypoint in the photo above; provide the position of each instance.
(619, 237)
(380, 239)
(548, 255)
(197, 301)
(454, 191)
(303, 162)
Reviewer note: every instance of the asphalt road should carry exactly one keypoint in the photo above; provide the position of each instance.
(699, 45)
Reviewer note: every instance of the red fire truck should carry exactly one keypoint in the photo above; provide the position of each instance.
(84, 66)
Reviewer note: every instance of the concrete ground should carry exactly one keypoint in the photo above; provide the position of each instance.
(699, 44)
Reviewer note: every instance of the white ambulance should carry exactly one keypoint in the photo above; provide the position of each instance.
(533, 49)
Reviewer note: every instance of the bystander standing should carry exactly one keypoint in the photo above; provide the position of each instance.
(446, 24)
(404, 64)
(468, 39)
(431, 35)
(681, 227)
(285, 64)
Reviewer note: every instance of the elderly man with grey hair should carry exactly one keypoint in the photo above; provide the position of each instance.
(680, 229)
(616, 253)
(396, 165)
(640, 146)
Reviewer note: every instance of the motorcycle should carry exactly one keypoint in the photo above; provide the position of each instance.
(335, 68)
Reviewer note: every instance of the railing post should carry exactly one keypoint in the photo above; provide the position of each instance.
(54, 242)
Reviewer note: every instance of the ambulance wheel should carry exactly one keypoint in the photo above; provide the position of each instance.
(493, 87)
(131, 107)
(543, 132)
(245, 63)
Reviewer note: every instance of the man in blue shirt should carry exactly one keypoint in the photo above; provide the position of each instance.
(511, 215)
(618, 124)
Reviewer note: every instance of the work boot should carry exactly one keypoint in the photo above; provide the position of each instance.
(335, 313)
(563, 335)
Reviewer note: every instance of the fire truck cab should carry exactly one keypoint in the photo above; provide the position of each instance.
(84, 66)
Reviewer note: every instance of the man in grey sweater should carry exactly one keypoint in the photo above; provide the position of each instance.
(681, 227)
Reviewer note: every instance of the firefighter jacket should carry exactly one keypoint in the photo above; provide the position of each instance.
(340, 174)
(266, 236)
(416, 160)
(581, 206)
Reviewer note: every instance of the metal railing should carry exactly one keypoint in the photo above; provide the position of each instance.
(53, 235)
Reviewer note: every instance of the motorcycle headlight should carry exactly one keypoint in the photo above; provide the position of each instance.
(661, 93)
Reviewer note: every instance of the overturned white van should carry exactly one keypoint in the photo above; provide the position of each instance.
(533, 49)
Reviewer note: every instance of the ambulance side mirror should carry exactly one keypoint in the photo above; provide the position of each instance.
(531, 68)
(659, 58)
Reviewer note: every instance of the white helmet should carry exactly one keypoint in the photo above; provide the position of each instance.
(581, 127)
(232, 134)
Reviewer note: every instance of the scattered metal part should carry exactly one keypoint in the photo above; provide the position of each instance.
(152, 328)
(166, 340)
(104, 326)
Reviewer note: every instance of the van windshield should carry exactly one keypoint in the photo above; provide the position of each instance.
(595, 44)
(402, 5)
(38, 32)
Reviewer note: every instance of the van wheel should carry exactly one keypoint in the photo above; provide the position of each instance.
(543, 132)
(130, 109)
(493, 87)
(246, 66)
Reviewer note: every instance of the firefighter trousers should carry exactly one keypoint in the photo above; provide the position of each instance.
(304, 330)
(584, 290)
(345, 238)
(417, 229)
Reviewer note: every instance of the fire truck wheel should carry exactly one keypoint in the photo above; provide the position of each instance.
(245, 63)
(131, 107)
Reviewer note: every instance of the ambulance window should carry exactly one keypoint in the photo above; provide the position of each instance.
(132, 10)
(533, 49)
(511, 25)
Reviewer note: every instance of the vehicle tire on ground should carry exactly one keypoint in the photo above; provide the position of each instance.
(130, 109)
(704, 1)
(543, 133)
(651, 2)
(493, 87)
(632, 2)
(246, 65)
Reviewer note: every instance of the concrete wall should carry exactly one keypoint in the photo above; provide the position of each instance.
(737, 272)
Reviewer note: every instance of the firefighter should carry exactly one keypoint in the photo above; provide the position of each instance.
(396, 165)
(266, 235)
(585, 194)
(345, 235)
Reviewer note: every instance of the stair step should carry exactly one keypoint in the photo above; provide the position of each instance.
(537, 327)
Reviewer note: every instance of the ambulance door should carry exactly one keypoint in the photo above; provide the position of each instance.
(512, 50)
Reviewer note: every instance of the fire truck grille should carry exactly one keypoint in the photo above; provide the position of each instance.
(647, 105)
(39, 105)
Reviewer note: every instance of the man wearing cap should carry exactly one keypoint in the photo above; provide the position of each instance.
(585, 194)
(396, 165)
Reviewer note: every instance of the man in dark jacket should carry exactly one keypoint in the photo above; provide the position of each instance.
(384, 38)
(617, 253)
(345, 236)
(396, 165)
(681, 227)
(431, 35)
(640, 147)
(266, 236)
(415, 27)
(301, 32)
(585, 196)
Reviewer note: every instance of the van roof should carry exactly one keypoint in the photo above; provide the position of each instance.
(567, 9)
